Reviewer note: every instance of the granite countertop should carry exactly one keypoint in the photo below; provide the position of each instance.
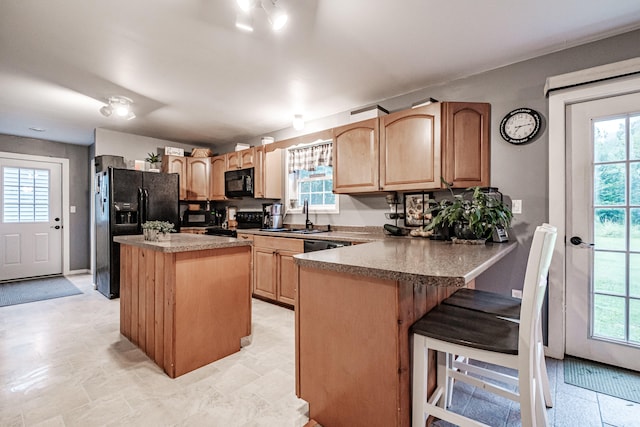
(182, 242)
(338, 236)
(424, 261)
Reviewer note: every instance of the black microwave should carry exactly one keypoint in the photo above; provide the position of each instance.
(238, 183)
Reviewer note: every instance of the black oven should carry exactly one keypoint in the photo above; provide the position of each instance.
(238, 183)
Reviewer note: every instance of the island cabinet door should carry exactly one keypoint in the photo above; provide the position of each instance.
(264, 268)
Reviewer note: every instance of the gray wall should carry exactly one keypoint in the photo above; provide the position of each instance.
(520, 172)
(78, 155)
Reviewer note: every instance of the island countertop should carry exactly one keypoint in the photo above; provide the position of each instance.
(429, 262)
(182, 242)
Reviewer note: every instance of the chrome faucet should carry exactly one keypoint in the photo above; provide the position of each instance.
(305, 210)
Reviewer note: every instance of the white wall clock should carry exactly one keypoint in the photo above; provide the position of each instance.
(520, 125)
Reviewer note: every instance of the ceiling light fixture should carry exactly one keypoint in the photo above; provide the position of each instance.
(298, 122)
(121, 105)
(276, 15)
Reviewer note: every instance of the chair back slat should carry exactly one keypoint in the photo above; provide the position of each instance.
(535, 283)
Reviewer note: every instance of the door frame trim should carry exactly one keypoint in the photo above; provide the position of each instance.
(64, 165)
(557, 193)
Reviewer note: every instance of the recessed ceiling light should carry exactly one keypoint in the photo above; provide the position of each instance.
(35, 129)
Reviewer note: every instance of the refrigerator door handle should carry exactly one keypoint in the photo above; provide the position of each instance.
(145, 204)
(141, 208)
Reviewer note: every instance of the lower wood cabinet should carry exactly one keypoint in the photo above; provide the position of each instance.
(274, 273)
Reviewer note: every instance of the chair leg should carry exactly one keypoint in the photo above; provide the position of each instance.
(444, 364)
(541, 408)
(544, 377)
(420, 366)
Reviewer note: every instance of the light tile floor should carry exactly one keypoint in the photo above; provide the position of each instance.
(63, 362)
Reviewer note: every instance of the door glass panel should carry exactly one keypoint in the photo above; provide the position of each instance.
(609, 317)
(634, 275)
(609, 184)
(634, 321)
(616, 229)
(609, 272)
(25, 195)
(635, 230)
(609, 229)
(609, 140)
(634, 138)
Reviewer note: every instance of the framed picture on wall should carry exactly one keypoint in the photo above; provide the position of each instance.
(416, 206)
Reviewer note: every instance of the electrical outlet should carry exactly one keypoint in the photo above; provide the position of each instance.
(516, 293)
(516, 206)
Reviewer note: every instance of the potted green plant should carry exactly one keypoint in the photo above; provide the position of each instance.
(153, 159)
(157, 230)
(473, 218)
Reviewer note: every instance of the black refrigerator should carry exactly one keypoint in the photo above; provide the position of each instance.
(125, 199)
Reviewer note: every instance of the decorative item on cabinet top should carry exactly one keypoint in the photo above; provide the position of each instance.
(201, 152)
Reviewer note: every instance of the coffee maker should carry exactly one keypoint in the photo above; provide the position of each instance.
(272, 216)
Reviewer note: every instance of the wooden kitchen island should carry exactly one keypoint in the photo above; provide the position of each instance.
(185, 302)
(354, 308)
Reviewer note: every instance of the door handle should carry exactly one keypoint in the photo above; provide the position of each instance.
(577, 241)
(57, 227)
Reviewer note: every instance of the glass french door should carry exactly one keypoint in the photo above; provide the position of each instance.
(603, 231)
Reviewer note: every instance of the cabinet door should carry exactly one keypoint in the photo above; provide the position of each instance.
(234, 160)
(177, 164)
(410, 149)
(258, 173)
(356, 158)
(287, 277)
(218, 168)
(248, 158)
(465, 144)
(273, 170)
(198, 178)
(264, 270)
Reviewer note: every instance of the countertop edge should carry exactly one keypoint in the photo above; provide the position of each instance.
(182, 243)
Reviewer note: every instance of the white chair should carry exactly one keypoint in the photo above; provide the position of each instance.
(489, 338)
(504, 306)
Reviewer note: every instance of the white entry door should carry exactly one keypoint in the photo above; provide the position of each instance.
(31, 226)
(603, 231)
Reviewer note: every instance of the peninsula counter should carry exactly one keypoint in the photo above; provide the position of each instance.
(354, 307)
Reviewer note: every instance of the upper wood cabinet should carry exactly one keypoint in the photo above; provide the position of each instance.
(198, 177)
(241, 159)
(410, 149)
(466, 147)
(355, 157)
(177, 164)
(194, 175)
(218, 168)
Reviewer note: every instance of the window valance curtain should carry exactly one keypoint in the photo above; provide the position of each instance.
(309, 158)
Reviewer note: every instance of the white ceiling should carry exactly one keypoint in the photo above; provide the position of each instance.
(195, 78)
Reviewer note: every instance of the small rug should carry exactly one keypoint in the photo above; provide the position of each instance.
(36, 290)
(607, 379)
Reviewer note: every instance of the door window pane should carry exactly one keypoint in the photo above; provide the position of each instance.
(634, 183)
(609, 185)
(609, 317)
(634, 320)
(634, 137)
(634, 233)
(609, 140)
(25, 195)
(634, 275)
(609, 272)
(609, 229)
